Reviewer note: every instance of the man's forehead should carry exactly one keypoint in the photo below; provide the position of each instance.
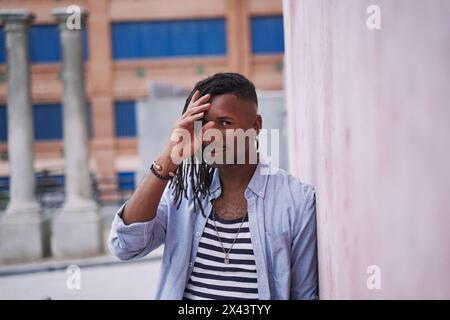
(231, 105)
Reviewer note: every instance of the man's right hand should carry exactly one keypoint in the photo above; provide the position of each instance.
(184, 141)
(143, 204)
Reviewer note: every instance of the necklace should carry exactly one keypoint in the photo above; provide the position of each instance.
(226, 260)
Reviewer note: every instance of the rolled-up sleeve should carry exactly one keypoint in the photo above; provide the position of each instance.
(136, 240)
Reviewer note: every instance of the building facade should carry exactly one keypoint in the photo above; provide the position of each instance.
(128, 44)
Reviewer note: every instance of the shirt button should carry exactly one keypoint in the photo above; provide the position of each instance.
(191, 264)
(197, 234)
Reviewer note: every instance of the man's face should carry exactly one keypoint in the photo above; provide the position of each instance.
(229, 113)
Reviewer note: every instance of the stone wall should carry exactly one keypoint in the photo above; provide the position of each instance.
(369, 118)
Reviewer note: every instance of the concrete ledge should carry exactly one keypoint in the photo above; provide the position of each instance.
(23, 238)
(56, 265)
(76, 232)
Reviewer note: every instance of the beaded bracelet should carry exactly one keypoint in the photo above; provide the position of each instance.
(155, 167)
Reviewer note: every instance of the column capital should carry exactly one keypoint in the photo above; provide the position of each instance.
(15, 19)
(70, 18)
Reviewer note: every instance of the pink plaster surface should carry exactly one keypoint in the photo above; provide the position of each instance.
(369, 116)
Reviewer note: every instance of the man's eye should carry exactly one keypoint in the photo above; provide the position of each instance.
(224, 122)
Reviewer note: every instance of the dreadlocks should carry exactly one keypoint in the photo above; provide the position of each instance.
(200, 175)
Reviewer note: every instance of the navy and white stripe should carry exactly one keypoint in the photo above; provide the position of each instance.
(211, 278)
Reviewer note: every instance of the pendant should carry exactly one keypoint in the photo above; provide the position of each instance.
(226, 260)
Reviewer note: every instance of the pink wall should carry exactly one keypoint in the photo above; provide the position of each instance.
(369, 116)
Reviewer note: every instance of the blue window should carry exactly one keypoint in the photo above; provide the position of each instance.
(2, 46)
(125, 180)
(125, 119)
(45, 45)
(4, 182)
(4, 192)
(89, 121)
(54, 179)
(150, 39)
(3, 125)
(267, 34)
(48, 122)
(49, 179)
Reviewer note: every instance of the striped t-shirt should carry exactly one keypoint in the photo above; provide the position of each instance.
(211, 278)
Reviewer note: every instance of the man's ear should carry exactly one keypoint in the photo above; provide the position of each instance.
(257, 124)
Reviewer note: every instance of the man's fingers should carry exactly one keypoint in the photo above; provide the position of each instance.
(195, 102)
(197, 109)
(193, 110)
(199, 101)
(192, 102)
(194, 96)
(207, 126)
(192, 118)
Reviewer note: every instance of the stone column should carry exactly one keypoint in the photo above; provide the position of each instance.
(21, 227)
(76, 229)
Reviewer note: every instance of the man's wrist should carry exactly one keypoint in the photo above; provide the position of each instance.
(164, 161)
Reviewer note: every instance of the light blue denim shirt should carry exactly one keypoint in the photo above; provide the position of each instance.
(281, 213)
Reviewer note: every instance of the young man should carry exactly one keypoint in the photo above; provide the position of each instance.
(230, 230)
